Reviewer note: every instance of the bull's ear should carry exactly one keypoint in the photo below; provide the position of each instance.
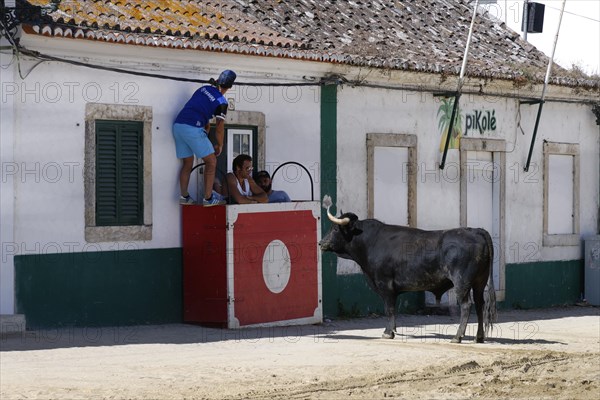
(356, 228)
(353, 228)
(348, 230)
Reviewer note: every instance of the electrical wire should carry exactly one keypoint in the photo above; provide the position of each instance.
(11, 62)
(572, 13)
(23, 77)
(46, 57)
(330, 80)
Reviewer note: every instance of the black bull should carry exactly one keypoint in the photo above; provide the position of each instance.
(398, 259)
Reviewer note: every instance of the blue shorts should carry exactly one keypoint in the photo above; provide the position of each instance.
(190, 140)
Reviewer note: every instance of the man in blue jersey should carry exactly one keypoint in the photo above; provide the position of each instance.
(190, 131)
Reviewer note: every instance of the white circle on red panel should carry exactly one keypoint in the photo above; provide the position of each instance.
(277, 266)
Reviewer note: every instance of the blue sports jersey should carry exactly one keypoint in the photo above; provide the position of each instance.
(205, 103)
(278, 196)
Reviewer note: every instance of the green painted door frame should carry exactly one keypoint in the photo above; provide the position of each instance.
(344, 295)
(329, 186)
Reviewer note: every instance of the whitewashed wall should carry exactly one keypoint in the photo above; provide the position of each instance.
(292, 132)
(51, 131)
(7, 201)
(562, 123)
(46, 160)
(48, 130)
(364, 110)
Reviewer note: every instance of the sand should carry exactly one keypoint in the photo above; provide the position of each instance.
(532, 354)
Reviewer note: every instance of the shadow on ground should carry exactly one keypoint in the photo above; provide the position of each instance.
(414, 328)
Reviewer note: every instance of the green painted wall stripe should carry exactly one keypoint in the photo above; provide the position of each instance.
(145, 287)
(329, 186)
(100, 288)
(543, 284)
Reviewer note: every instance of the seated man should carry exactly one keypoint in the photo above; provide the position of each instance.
(275, 196)
(241, 186)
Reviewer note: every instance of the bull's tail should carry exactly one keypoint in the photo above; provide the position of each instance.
(489, 309)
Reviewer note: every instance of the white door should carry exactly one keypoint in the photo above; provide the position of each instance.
(483, 199)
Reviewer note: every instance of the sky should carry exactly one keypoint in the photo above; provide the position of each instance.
(579, 36)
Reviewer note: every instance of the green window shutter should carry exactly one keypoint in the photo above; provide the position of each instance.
(119, 173)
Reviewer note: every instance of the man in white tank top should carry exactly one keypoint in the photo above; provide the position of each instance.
(240, 184)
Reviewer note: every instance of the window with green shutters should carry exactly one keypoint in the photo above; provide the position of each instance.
(119, 173)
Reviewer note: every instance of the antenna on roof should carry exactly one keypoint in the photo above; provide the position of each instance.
(461, 79)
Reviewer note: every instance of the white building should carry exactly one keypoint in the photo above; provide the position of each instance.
(353, 92)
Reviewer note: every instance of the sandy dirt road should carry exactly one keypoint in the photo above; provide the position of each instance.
(535, 354)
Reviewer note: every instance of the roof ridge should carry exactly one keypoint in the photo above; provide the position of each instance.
(406, 35)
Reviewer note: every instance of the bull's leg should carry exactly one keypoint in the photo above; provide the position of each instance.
(465, 309)
(389, 302)
(479, 303)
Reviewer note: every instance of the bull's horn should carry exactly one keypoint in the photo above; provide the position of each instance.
(338, 221)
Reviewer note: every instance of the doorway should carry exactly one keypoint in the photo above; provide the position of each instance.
(482, 200)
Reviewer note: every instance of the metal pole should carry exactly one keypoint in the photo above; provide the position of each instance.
(464, 63)
(546, 81)
(459, 88)
(526, 19)
(549, 69)
(450, 130)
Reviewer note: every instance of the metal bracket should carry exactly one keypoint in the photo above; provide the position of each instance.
(444, 94)
(530, 101)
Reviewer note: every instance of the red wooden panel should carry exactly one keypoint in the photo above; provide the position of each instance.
(254, 301)
(205, 264)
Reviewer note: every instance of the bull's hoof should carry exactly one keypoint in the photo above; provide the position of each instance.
(388, 335)
(456, 340)
(479, 340)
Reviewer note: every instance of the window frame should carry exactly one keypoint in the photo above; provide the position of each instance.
(257, 122)
(95, 233)
(119, 127)
(407, 141)
(226, 158)
(562, 239)
(253, 138)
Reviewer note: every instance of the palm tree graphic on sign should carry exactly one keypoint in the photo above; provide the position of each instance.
(445, 113)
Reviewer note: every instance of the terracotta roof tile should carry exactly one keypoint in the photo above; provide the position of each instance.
(411, 34)
(209, 20)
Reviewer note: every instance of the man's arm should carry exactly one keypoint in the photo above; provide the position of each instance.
(258, 194)
(220, 135)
